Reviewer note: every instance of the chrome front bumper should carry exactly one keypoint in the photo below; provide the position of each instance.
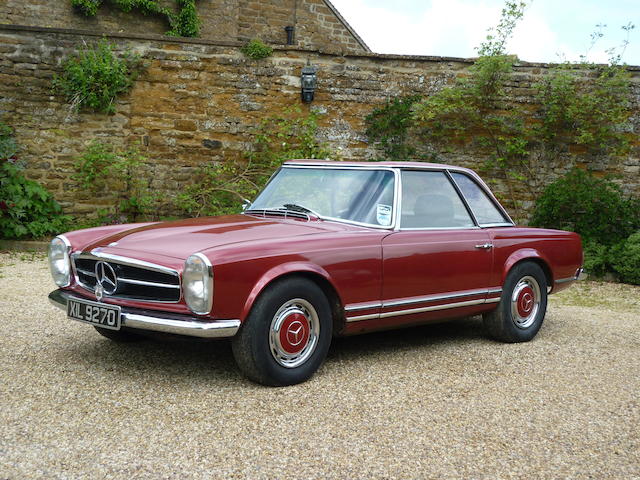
(161, 321)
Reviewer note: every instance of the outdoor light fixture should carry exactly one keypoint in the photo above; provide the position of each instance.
(289, 29)
(309, 82)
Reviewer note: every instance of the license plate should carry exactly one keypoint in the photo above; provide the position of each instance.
(98, 314)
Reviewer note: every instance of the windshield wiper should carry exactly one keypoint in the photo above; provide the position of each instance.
(300, 208)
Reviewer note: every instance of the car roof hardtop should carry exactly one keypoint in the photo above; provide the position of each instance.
(420, 165)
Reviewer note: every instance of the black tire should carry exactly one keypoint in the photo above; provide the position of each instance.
(286, 336)
(120, 336)
(522, 306)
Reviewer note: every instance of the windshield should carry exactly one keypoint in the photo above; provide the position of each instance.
(356, 195)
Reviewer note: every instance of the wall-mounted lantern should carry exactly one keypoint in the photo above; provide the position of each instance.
(289, 29)
(309, 82)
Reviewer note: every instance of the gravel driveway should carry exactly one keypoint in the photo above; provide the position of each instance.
(439, 401)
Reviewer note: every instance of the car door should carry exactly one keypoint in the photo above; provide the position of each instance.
(439, 260)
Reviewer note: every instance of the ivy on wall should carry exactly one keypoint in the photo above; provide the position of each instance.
(184, 23)
(577, 105)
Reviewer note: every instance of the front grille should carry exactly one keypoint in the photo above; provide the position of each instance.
(134, 282)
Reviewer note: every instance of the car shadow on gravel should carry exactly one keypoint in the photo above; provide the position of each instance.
(213, 361)
(424, 336)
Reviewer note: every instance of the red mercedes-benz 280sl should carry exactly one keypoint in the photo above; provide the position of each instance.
(327, 248)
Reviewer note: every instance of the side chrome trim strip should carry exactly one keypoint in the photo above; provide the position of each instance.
(435, 298)
(431, 308)
(565, 280)
(361, 306)
(360, 318)
(580, 275)
(161, 321)
(431, 298)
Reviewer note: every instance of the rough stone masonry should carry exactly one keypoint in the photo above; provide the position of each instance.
(200, 101)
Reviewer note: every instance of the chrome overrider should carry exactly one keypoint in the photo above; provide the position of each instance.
(161, 321)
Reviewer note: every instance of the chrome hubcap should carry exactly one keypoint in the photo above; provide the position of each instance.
(293, 335)
(525, 302)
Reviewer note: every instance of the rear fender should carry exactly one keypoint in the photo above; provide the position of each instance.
(527, 254)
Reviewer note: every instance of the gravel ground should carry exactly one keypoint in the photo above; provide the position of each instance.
(440, 401)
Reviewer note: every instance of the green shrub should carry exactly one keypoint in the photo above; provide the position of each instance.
(27, 209)
(596, 258)
(625, 259)
(102, 169)
(256, 49)
(221, 188)
(96, 76)
(8, 146)
(594, 207)
(185, 23)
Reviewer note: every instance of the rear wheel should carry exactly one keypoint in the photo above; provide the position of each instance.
(285, 338)
(120, 336)
(522, 307)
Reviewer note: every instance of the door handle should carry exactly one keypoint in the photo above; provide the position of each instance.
(485, 246)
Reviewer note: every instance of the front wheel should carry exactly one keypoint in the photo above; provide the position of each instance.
(285, 338)
(522, 307)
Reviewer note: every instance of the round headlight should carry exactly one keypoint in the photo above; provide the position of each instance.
(59, 263)
(197, 284)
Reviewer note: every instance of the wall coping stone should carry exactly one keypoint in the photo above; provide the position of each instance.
(229, 43)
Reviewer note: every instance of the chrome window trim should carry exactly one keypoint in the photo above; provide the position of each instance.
(455, 188)
(132, 262)
(410, 229)
(396, 183)
(490, 196)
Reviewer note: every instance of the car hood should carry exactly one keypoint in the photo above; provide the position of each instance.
(179, 239)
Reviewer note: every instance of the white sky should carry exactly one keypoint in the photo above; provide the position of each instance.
(549, 31)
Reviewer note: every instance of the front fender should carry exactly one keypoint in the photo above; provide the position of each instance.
(280, 271)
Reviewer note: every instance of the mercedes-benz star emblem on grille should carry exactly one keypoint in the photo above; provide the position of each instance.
(106, 278)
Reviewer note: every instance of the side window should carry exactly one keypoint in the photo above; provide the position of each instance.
(430, 201)
(481, 205)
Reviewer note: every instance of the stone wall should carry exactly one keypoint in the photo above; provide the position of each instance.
(317, 24)
(200, 102)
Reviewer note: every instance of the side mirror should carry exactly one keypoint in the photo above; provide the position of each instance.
(245, 204)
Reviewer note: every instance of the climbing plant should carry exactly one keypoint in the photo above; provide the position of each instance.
(220, 188)
(119, 174)
(579, 104)
(96, 76)
(388, 126)
(184, 23)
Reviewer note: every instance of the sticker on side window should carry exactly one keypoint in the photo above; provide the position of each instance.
(383, 214)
